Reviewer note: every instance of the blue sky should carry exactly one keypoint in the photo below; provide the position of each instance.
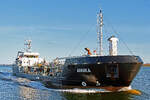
(61, 28)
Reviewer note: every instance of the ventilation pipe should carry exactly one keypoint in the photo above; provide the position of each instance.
(113, 46)
(88, 50)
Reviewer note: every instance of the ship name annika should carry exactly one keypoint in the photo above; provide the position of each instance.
(83, 70)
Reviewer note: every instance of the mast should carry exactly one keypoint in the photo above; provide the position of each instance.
(28, 45)
(100, 32)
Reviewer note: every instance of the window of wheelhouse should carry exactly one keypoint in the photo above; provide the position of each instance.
(30, 56)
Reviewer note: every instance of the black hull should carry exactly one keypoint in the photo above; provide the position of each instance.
(92, 72)
(98, 72)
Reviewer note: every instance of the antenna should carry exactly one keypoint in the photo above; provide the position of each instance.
(28, 45)
(100, 32)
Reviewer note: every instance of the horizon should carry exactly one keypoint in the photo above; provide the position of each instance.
(65, 28)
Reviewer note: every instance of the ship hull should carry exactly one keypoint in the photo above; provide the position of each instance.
(33, 77)
(109, 72)
(99, 74)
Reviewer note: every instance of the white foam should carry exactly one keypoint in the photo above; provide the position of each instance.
(76, 90)
(37, 85)
(125, 89)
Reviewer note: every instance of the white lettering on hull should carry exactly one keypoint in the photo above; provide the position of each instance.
(83, 70)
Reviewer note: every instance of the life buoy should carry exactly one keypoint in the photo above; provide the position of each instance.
(84, 83)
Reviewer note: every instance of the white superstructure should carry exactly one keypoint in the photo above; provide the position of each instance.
(28, 58)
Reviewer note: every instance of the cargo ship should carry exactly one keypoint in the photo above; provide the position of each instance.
(112, 72)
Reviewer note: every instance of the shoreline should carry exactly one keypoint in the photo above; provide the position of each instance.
(146, 65)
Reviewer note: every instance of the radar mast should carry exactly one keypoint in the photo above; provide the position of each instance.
(27, 45)
(100, 32)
